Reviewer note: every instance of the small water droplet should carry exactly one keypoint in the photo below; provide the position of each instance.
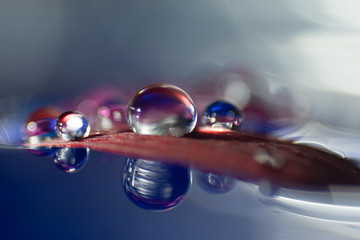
(40, 125)
(71, 160)
(161, 109)
(155, 185)
(221, 114)
(72, 125)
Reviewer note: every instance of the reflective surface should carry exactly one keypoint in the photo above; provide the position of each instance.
(92, 204)
(162, 109)
(288, 64)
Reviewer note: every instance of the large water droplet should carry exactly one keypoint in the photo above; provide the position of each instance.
(72, 125)
(155, 185)
(221, 114)
(161, 109)
(71, 160)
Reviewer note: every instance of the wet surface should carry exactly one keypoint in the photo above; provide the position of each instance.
(39, 201)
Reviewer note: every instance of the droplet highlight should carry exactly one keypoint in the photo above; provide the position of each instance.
(72, 125)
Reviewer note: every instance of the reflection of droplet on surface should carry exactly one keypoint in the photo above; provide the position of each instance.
(216, 183)
(161, 109)
(221, 114)
(72, 125)
(267, 188)
(71, 159)
(155, 185)
(41, 151)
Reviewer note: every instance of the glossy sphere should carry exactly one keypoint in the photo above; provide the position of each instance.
(155, 185)
(161, 109)
(72, 126)
(70, 160)
(221, 114)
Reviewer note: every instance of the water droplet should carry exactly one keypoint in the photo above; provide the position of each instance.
(71, 160)
(161, 109)
(221, 114)
(155, 185)
(216, 183)
(72, 125)
(40, 125)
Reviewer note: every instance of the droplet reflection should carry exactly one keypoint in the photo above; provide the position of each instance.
(71, 160)
(215, 183)
(155, 185)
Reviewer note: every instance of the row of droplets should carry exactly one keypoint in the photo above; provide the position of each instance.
(148, 184)
(158, 109)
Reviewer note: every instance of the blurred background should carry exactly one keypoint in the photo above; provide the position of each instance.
(293, 63)
(292, 66)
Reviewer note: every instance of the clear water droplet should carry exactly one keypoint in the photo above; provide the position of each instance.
(155, 185)
(161, 109)
(72, 125)
(221, 114)
(71, 160)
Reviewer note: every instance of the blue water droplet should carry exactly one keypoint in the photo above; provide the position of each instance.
(161, 109)
(221, 114)
(71, 160)
(72, 125)
(155, 185)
